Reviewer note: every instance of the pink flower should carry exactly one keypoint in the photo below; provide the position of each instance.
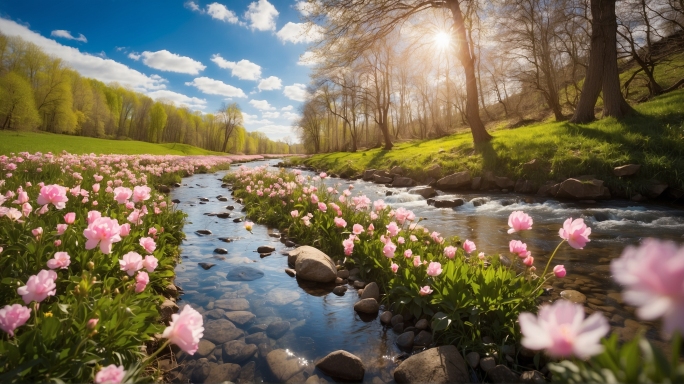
(57, 243)
(248, 225)
(55, 194)
(26, 209)
(13, 317)
(434, 268)
(129, 205)
(59, 260)
(379, 205)
(425, 291)
(110, 374)
(481, 255)
(314, 198)
(575, 232)
(357, 229)
(408, 253)
(519, 221)
(469, 246)
(323, 175)
(371, 228)
(389, 249)
(22, 197)
(414, 238)
(148, 243)
(122, 194)
(394, 267)
(125, 229)
(449, 251)
(416, 261)
(141, 280)
(559, 271)
(185, 330)
(653, 277)
(104, 231)
(400, 240)
(518, 247)
(141, 193)
(96, 188)
(92, 215)
(348, 246)
(528, 261)
(37, 232)
(393, 229)
(135, 217)
(70, 217)
(150, 263)
(294, 213)
(92, 323)
(61, 228)
(340, 222)
(152, 231)
(131, 262)
(39, 286)
(562, 330)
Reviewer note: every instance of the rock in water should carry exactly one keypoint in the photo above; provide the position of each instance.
(342, 365)
(454, 181)
(436, 365)
(206, 265)
(266, 249)
(244, 273)
(371, 291)
(221, 251)
(405, 340)
(203, 232)
(369, 306)
(277, 329)
(283, 365)
(314, 265)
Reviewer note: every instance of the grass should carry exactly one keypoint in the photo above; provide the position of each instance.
(14, 142)
(653, 138)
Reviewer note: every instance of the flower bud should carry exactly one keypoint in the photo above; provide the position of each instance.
(90, 265)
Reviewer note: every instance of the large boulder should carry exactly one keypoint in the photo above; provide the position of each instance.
(626, 170)
(436, 365)
(313, 265)
(581, 189)
(655, 188)
(368, 174)
(454, 181)
(342, 365)
(397, 170)
(379, 179)
(426, 192)
(400, 182)
(434, 171)
(504, 182)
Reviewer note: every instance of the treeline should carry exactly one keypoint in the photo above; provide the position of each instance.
(386, 72)
(41, 92)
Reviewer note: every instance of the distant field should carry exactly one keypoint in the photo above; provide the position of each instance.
(11, 141)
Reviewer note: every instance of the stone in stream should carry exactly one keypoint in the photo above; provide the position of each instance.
(230, 207)
(204, 199)
(247, 373)
(399, 328)
(473, 359)
(454, 181)
(340, 290)
(222, 198)
(175, 201)
(176, 185)
(290, 272)
(240, 317)
(226, 239)
(386, 317)
(284, 365)
(343, 274)
(277, 329)
(532, 377)
(232, 304)
(422, 324)
(237, 220)
(290, 243)
(203, 232)
(313, 265)
(221, 331)
(342, 365)
(396, 319)
(573, 296)
(223, 215)
(266, 249)
(425, 192)
(436, 365)
(274, 235)
(257, 328)
(371, 291)
(236, 351)
(221, 251)
(205, 348)
(368, 306)
(447, 203)
(423, 339)
(244, 273)
(215, 314)
(487, 363)
(206, 266)
(220, 373)
(400, 182)
(502, 374)
(262, 255)
(405, 340)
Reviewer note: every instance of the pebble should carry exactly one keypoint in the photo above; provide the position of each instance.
(574, 296)
(398, 327)
(277, 329)
(266, 249)
(206, 265)
(396, 319)
(291, 272)
(202, 232)
(221, 251)
(340, 290)
(237, 220)
(358, 284)
(422, 324)
(386, 317)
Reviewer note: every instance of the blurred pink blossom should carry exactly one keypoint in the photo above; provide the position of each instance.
(39, 286)
(394, 267)
(389, 249)
(469, 246)
(559, 271)
(575, 232)
(141, 281)
(185, 330)
(434, 269)
(148, 243)
(150, 263)
(110, 374)
(70, 217)
(425, 291)
(59, 260)
(449, 251)
(13, 317)
(393, 229)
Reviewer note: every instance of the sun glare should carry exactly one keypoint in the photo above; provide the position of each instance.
(442, 39)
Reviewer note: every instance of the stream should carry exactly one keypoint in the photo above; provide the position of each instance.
(308, 323)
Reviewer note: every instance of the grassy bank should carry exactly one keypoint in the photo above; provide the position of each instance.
(653, 138)
(15, 142)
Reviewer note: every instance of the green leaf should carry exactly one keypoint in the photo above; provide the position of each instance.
(440, 321)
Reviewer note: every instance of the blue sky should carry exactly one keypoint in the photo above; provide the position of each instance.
(197, 53)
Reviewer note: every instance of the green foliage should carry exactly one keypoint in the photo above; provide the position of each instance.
(157, 122)
(17, 108)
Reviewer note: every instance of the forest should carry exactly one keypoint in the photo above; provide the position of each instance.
(39, 92)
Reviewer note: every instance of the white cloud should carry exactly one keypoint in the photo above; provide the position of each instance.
(270, 83)
(243, 69)
(67, 35)
(296, 92)
(215, 87)
(191, 5)
(179, 99)
(309, 58)
(220, 12)
(299, 33)
(304, 7)
(251, 120)
(270, 115)
(276, 132)
(288, 108)
(290, 116)
(166, 61)
(105, 70)
(262, 105)
(261, 15)
(134, 56)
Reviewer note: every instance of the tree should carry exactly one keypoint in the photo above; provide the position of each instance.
(352, 26)
(157, 122)
(602, 72)
(229, 117)
(16, 103)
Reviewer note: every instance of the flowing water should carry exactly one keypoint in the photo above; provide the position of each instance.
(321, 322)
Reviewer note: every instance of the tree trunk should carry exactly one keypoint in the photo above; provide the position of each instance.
(477, 128)
(602, 73)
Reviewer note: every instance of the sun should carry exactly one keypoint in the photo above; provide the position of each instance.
(442, 40)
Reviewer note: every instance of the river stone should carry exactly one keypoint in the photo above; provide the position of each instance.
(371, 291)
(240, 317)
(206, 266)
(359, 284)
(223, 215)
(532, 377)
(369, 306)
(226, 239)
(436, 365)
(175, 201)
(244, 273)
(223, 372)
(396, 319)
(398, 328)
(368, 174)
(655, 188)
(202, 232)
(200, 372)
(237, 220)
(386, 317)
(626, 170)
(339, 290)
(487, 363)
(378, 179)
(205, 199)
(291, 272)
(342, 365)
(283, 364)
(314, 265)
(473, 359)
(247, 373)
(504, 182)
(232, 304)
(221, 251)
(277, 329)
(266, 249)
(257, 328)
(236, 351)
(256, 338)
(405, 340)
(454, 181)
(168, 308)
(422, 324)
(573, 296)
(423, 339)
(502, 374)
(448, 203)
(400, 182)
(215, 314)
(581, 189)
(221, 331)
(205, 348)
(282, 296)
(222, 199)
(425, 192)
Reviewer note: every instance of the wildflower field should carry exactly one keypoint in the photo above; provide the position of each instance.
(467, 294)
